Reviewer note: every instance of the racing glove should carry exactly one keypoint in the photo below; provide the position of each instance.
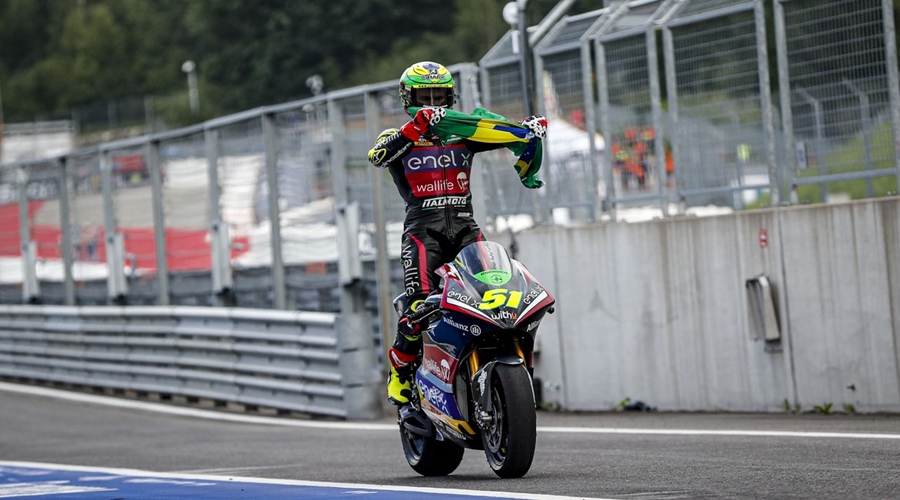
(411, 331)
(389, 146)
(423, 121)
(537, 124)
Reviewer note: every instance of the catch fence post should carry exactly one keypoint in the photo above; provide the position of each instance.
(360, 377)
(159, 223)
(270, 138)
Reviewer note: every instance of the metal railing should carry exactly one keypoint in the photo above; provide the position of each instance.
(291, 361)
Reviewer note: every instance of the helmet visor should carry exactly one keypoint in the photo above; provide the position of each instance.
(432, 96)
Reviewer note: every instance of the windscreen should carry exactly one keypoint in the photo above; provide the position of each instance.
(487, 262)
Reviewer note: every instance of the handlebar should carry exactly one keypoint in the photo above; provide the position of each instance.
(424, 312)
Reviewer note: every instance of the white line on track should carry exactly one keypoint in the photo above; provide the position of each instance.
(286, 482)
(692, 432)
(187, 412)
(361, 426)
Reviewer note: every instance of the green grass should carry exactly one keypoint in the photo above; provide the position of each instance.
(824, 409)
(851, 158)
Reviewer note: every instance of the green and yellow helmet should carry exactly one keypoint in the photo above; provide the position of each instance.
(426, 83)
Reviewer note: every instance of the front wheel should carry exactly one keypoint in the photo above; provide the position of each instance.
(509, 440)
(428, 456)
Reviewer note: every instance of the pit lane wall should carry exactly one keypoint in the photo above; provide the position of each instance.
(658, 311)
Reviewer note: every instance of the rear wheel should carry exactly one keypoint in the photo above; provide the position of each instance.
(509, 440)
(428, 456)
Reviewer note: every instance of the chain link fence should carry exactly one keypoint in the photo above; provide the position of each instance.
(838, 99)
(502, 91)
(655, 106)
(642, 165)
(571, 171)
(719, 94)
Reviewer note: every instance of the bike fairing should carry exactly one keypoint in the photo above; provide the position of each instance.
(474, 307)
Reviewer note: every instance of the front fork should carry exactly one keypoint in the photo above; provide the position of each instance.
(480, 377)
(474, 362)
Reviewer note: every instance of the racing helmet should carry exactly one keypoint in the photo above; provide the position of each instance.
(426, 83)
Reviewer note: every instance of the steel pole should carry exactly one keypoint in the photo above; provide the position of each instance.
(159, 224)
(525, 63)
(271, 144)
(65, 225)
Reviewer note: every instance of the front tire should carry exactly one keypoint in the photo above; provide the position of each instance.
(428, 456)
(509, 441)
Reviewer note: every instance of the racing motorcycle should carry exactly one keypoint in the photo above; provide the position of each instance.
(473, 383)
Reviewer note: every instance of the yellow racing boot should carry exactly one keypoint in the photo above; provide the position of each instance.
(398, 387)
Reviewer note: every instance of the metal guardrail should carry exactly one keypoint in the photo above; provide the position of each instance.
(36, 128)
(276, 359)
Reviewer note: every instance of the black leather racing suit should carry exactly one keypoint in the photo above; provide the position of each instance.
(433, 179)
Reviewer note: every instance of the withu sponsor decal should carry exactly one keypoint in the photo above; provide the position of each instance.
(504, 314)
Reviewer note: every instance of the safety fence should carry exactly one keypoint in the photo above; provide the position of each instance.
(656, 108)
(660, 107)
(288, 361)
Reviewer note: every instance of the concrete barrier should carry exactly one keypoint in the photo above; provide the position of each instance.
(658, 311)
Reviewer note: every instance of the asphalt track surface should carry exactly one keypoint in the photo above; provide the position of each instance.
(598, 455)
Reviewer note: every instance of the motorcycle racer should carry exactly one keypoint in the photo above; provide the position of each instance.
(432, 176)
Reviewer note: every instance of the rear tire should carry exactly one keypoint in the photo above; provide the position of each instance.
(428, 456)
(509, 441)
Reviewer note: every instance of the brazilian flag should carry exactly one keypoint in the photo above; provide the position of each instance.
(491, 128)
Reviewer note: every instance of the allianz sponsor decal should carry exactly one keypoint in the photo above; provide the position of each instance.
(454, 324)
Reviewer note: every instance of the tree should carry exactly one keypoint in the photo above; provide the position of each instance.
(262, 53)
